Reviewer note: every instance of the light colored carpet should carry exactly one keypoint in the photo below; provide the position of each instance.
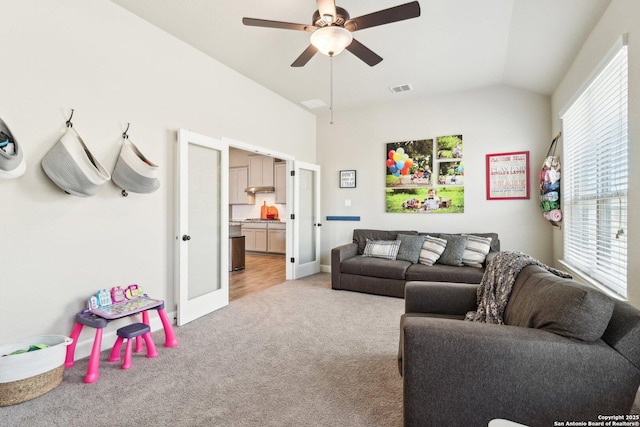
(296, 354)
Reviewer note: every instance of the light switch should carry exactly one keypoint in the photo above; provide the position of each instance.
(347, 202)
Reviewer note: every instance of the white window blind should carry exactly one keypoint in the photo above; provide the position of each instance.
(595, 180)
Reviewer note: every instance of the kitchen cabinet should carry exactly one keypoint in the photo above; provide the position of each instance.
(265, 237)
(255, 235)
(260, 171)
(276, 238)
(280, 172)
(238, 180)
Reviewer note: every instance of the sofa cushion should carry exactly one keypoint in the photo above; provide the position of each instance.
(360, 236)
(387, 249)
(410, 247)
(454, 250)
(476, 250)
(542, 300)
(375, 267)
(444, 273)
(495, 241)
(431, 250)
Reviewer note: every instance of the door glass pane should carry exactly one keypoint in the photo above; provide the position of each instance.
(307, 220)
(204, 220)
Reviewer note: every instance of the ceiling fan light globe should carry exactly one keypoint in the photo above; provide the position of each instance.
(331, 40)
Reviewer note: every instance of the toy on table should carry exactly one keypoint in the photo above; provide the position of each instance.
(120, 302)
(117, 294)
(133, 291)
(101, 299)
(105, 298)
(125, 308)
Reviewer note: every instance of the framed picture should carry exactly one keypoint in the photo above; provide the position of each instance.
(347, 179)
(508, 176)
(425, 176)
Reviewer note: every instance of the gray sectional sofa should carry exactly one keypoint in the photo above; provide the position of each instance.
(566, 352)
(352, 271)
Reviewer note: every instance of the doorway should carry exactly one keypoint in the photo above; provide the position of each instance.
(264, 238)
(301, 255)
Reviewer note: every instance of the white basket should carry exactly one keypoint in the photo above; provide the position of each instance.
(15, 367)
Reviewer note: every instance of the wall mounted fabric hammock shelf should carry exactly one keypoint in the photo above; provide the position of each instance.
(72, 167)
(550, 185)
(12, 163)
(133, 171)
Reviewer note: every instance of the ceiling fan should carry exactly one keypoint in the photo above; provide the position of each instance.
(332, 26)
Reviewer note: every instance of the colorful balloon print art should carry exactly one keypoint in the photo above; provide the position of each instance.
(550, 185)
(425, 176)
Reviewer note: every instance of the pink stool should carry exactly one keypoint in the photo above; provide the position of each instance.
(129, 332)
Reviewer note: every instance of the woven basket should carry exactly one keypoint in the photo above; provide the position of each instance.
(20, 391)
(28, 375)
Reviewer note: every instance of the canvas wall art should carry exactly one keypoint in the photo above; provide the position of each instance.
(417, 181)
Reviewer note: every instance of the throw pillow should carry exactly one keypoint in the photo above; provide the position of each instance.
(432, 248)
(476, 250)
(454, 250)
(410, 247)
(387, 249)
(542, 300)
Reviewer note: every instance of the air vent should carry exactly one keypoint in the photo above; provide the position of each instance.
(314, 103)
(401, 88)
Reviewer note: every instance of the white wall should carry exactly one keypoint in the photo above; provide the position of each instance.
(491, 120)
(622, 16)
(112, 68)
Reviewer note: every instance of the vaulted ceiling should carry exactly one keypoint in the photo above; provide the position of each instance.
(454, 45)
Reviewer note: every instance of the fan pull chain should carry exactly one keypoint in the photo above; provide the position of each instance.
(331, 88)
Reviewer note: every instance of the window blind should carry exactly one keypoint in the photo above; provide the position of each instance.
(595, 182)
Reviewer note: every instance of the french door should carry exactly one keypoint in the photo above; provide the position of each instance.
(307, 222)
(202, 236)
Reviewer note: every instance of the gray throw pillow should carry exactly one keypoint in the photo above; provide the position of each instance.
(454, 251)
(541, 300)
(410, 247)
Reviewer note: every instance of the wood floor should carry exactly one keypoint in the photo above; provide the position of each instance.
(260, 272)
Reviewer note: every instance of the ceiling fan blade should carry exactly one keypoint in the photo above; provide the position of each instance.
(386, 16)
(277, 24)
(305, 56)
(361, 51)
(327, 7)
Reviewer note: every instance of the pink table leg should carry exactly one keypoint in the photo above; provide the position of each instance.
(71, 349)
(94, 359)
(170, 335)
(145, 320)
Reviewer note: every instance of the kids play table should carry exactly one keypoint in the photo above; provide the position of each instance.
(99, 317)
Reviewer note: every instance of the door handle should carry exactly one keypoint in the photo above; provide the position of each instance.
(186, 237)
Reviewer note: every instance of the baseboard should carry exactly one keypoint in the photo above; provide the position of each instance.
(83, 348)
(325, 268)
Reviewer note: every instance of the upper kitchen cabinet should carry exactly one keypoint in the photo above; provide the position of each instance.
(280, 169)
(238, 179)
(260, 171)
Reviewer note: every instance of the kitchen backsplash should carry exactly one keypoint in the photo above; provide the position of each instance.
(239, 212)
